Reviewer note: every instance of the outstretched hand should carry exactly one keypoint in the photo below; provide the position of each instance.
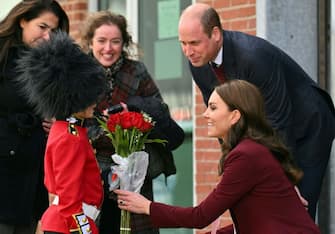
(133, 202)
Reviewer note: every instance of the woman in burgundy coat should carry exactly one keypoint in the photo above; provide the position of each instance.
(256, 169)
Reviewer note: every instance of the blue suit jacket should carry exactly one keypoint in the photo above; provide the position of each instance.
(295, 105)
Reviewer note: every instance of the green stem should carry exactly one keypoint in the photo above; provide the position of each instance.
(125, 222)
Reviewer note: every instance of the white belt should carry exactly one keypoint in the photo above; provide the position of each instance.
(89, 210)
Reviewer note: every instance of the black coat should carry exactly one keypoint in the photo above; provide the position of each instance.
(161, 158)
(23, 197)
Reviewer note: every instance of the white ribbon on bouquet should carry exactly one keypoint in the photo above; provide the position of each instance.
(130, 171)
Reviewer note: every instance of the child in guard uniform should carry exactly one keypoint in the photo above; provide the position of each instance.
(63, 82)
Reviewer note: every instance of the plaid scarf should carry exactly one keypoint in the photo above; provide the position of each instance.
(112, 70)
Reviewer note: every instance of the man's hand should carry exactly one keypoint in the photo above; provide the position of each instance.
(302, 199)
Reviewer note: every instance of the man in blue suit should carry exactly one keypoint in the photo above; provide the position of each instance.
(301, 112)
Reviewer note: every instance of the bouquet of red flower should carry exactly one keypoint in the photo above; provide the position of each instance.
(129, 133)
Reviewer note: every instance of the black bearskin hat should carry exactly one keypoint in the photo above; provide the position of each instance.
(59, 79)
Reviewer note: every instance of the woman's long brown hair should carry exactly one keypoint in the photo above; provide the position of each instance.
(247, 99)
(10, 30)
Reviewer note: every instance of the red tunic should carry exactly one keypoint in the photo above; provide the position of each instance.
(257, 192)
(72, 173)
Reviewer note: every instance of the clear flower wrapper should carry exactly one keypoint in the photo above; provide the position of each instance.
(130, 171)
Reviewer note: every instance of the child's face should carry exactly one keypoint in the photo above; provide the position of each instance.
(87, 113)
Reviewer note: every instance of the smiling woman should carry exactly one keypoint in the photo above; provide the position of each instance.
(107, 40)
(22, 131)
(220, 117)
(256, 171)
(107, 44)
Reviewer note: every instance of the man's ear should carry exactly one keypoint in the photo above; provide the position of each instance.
(216, 33)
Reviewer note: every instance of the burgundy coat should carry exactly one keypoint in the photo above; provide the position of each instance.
(254, 188)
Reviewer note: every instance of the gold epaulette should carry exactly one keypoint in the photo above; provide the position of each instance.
(72, 129)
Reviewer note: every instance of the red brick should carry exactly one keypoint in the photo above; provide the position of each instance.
(239, 25)
(204, 178)
(207, 143)
(239, 2)
(80, 6)
(201, 131)
(251, 23)
(204, 189)
(236, 13)
(221, 4)
(208, 154)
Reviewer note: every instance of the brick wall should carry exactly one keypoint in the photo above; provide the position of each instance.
(77, 12)
(237, 15)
